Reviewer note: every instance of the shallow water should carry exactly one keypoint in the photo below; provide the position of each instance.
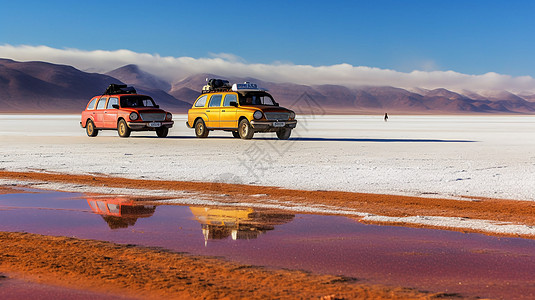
(438, 260)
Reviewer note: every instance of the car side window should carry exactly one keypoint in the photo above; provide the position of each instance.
(215, 100)
(202, 101)
(111, 102)
(229, 98)
(114, 208)
(91, 104)
(102, 206)
(102, 103)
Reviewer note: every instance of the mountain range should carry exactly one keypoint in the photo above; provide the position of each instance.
(41, 87)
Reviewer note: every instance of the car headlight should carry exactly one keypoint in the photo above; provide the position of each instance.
(134, 116)
(168, 116)
(292, 115)
(257, 115)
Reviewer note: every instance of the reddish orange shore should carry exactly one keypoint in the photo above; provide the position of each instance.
(150, 273)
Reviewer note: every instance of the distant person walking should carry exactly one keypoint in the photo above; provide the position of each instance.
(386, 117)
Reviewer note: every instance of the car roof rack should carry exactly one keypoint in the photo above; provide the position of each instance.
(115, 89)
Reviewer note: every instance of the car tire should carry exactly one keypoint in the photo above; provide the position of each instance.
(284, 133)
(236, 134)
(162, 131)
(200, 129)
(123, 129)
(90, 129)
(245, 130)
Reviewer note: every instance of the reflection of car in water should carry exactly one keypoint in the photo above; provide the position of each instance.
(238, 223)
(120, 212)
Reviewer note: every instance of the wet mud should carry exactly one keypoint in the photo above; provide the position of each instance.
(156, 273)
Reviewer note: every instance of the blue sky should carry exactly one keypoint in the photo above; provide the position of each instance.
(470, 37)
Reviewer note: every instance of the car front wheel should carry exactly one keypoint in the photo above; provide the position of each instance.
(162, 131)
(200, 129)
(245, 130)
(284, 133)
(123, 129)
(90, 129)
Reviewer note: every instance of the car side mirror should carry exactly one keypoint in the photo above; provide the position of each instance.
(116, 106)
(157, 106)
(276, 104)
(233, 103)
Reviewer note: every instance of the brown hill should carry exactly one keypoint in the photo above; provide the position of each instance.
(40, 87)
(133, 75)
(320, 99)
(528, 97)
(45, 87)
(152, 85)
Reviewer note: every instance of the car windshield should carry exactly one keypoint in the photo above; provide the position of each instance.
(137, 101)
(257, 98)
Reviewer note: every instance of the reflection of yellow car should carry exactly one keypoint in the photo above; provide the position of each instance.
(238, 223)
(242, 109)
(220, 223)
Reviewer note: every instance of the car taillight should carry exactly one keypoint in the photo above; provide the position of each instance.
(134, 116)
(168, 116)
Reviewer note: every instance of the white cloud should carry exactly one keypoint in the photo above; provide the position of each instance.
(224, 64)
(228, 57)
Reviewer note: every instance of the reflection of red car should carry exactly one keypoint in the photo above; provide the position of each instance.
(121, 109)
(120, 212)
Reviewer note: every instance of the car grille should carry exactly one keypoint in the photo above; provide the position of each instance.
(153, 116)
(277, 116)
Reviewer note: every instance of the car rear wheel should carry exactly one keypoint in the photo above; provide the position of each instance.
(200, 129)
(123, 129)
(236, 134)
(90, 129)
(284, 133)
(162, 131)
(245, 130)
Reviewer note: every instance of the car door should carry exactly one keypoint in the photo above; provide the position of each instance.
(110, 114)
(213, 110)
(228, 113)
(99, 112)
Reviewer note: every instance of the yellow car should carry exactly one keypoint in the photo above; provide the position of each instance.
(242, 109)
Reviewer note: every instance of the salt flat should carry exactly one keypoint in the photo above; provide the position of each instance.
(432, 156)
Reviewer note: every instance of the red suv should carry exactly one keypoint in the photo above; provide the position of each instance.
(121, 108)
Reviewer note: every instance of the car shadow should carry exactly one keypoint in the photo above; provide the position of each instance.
(377, 140)
(319, 139)
(168, 137)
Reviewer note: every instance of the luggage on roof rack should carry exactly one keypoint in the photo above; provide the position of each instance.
(216, 85)
(114, 89)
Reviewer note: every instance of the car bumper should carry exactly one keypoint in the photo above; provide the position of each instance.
(149, 125)
(271, 125)
(187, 124)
